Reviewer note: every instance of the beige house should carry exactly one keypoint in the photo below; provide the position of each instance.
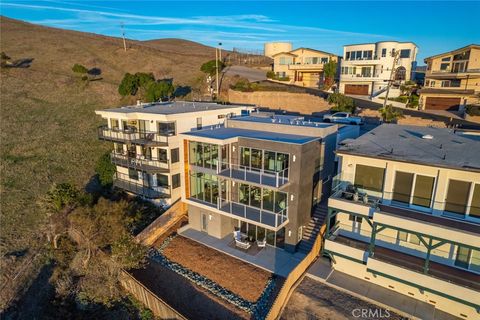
(452, 80)
(405, 214)
(302, 66)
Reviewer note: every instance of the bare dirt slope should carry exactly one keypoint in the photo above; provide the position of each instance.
(48, 125)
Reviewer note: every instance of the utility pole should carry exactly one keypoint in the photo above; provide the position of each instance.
(216, 70)
(392, 73)
(123, 36)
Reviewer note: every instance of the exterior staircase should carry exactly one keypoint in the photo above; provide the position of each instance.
(313, 228)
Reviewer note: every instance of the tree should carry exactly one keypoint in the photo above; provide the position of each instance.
(389, 114)
(78, 68)
(144, 79)
(330, 71)
(210, 67)
(341, 103)
(105, 170)
(158, 90)
(270, 74)
(129, 85)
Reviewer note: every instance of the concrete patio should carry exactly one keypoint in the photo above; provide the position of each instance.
(271, 259)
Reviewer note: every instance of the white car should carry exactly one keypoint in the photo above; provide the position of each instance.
(342, 117)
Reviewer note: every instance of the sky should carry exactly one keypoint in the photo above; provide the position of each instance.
(324, 25)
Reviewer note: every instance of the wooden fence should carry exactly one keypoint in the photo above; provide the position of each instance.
(159, 307)
(163, 223)
(294, 276)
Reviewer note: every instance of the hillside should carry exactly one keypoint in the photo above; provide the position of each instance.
(48, 127)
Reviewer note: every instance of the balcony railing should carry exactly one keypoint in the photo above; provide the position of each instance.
(358, 76)
(452, 71)
(254, 175)
(123, 181)
(256, 215)
(132, 135)
(140, 162)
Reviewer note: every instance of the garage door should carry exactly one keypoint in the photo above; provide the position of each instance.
(360, 89)
(434, 103)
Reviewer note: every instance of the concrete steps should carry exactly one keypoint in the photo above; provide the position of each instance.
(311, 231)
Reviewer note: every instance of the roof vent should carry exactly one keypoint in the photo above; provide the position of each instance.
(427, 136)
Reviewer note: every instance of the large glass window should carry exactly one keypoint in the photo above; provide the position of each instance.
(457, 196)
(255, 196)
(384, 52)
(176, 181)
(204, 187)
(463, 257)
(263, 198)
(166, 128)
(402, 187)
(256, 159)
(115, 124)
(162, 180)
(475, 204)
(405, 53)
(245, 157)
(133, 174)
(175, 155)
(163, 155)
(203, 154)
(369, 178)
(268, 199)
(422, 195)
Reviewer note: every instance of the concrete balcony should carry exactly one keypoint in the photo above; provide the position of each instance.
(449, 74)
(346, 247)
(363, 62)
(132, 135)
(124, 182)
(140, 163)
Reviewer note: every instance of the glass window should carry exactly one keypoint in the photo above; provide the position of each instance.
(162, 180)
(244, 193)
(268, 199)
(347, 55)
(402, 236)
(255, 196)
(162, 155)
(463, 257)
(422, 195)
(271, 237)
(133, 174)
(446, 59)
(280, 201)
(114, 123)
(354, 218)
(384, 52)
(324, 60)
(444, 66)
(118, 148)
(475, 204)
(175, 154)
(176, 181)
(166, 128)
(269, 164)
(402, 187)
(280, 239)
(457, 196)
(475, 260)
(196, 186)
(358, 55)
(405, 53)
(256, 160)
(369, 178)
(261, 233)
(245, 157)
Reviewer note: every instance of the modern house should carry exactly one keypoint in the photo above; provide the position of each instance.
(405, 214)
(259, 175)
(302, 66)
(366, 68)
(452, 80)
(146, 143)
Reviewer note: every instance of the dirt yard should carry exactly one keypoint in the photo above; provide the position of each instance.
(239, 277)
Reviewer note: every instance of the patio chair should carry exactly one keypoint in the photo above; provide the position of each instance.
(242, 245)
(237, 235)
(262, 243)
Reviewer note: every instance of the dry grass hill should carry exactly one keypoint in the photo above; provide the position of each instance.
(48, 127)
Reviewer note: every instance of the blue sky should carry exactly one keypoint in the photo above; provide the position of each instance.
(434, 26)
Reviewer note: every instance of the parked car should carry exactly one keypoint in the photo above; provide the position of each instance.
(342, 117)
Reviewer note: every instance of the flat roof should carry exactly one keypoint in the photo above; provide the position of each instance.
(222, 133)
(445, 148)
(359, 44)
(173, 107)
(298, 121)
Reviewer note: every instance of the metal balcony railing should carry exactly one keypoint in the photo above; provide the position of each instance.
(132, 135)
(140, 162)
(253, 214)
(140, 187)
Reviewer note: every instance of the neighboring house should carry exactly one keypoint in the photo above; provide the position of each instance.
(366, 68)
(452, 80)
(405, 214)
(418, 75)
(302, 66)
(146, 145)
(261, 175)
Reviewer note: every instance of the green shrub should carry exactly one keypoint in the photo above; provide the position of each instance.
(105, 170)
(413, 101)
(158, 90)
(389, 114)
(341, 103)
(243, 85)
(129, 85)
(472, 110)
(287, 78)
(61, 195)
(210, 67)
(78, 68)
(270, 74)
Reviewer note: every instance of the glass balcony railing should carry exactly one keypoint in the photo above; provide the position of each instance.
(140, 162)
(253, 175)
(127, 183)
(253, 214)
(132, 135)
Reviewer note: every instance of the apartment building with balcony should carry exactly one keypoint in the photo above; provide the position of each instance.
(405, 214)
(260, 175)
(146, 143)
(366, 68)
(302, 66)
(452, 80)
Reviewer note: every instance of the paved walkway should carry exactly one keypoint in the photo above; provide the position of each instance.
(272, 259)
(323, 273)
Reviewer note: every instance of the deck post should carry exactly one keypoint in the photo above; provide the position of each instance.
(427, 258)
(329, 215)
(371, 247)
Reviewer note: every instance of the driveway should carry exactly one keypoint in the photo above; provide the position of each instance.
(251, 74)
